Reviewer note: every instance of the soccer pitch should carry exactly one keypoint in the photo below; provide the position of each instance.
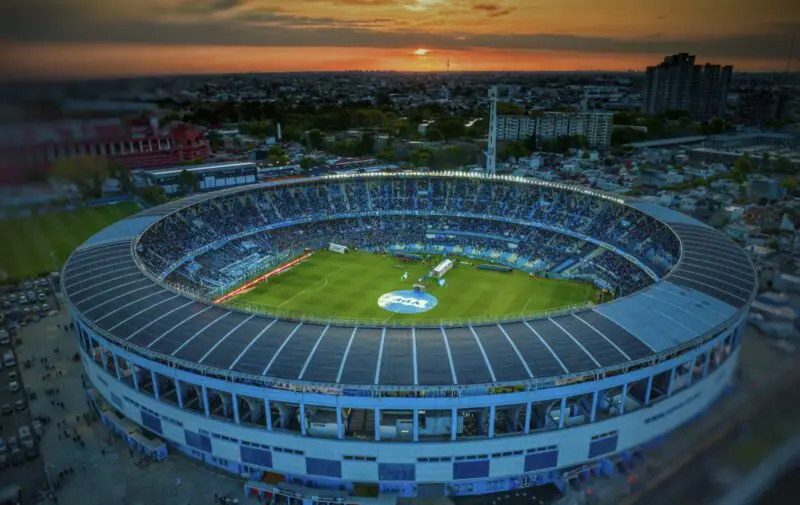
(28, 242)
(349, 286)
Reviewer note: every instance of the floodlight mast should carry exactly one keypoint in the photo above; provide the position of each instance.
(491, 148)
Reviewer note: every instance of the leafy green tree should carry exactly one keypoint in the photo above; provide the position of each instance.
(790, 184)
(451, 128)
(420, 157)
(387, 156)
(307, 163)
(783, 165)
(315, 139)
(434, 135)
(188, 181)
(152, 194)
(276, 151)
(87, 173)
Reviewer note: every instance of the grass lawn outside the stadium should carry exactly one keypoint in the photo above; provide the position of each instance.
(31, 244)
(348, 286)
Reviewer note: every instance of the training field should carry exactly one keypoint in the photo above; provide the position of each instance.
(27, 243)
(349, 285)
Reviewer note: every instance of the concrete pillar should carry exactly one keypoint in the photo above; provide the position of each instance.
(528, 410)
(103, 356)
(593, 414)
(226, 404)
(706, 363)
(283, 415)
(235, 401)
(563, 413)
(268, 412)
(691, 369)
(492, 412)
(204, 397)
(256, 411)
(453, 424)
(159, 143)
(377, 424)
(624, 398)
(482, 422)
(154, 378)
(339, 424)
(671, 381)
(415, 428)
(116, 366)
(649, 390)
(132, 368)
(303, 419)
(179, 392)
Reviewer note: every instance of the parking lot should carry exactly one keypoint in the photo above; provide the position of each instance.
(103, 470)
(20, 461)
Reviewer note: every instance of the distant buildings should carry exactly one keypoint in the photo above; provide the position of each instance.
(138, 144)
(595, 126)
(679, 84)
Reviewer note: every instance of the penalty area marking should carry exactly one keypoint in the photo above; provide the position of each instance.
(310, 288)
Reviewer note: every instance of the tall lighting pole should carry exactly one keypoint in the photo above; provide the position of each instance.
(491, 149)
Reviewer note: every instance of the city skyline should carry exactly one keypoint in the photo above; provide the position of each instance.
(83, 38)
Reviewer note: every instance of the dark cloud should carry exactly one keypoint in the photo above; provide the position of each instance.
(27, 23)
(493, 10)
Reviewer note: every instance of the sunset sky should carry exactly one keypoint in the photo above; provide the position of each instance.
(87, 38)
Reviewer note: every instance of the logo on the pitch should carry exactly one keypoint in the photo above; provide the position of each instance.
(407, 302)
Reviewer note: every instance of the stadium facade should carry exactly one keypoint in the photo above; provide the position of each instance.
(334, 410)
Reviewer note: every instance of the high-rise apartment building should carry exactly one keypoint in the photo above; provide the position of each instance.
(678, 83)
(595, 126)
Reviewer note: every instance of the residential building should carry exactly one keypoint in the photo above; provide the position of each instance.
(595, 126)
(678, 83)
(515, 128)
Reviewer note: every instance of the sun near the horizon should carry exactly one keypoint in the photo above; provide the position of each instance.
(421, 51)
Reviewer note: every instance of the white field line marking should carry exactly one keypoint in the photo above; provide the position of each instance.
(310, 288)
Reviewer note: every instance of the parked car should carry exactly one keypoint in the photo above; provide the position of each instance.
(16, 457)
(25, 437)
(3, 461)
(20, 406)
(31, 453)
(13, 386)
(6, 409)
(3, 447)
(37, 427)
(12, 443)
(42, 297)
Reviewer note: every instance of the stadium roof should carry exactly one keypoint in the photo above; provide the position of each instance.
(712, 282)
(210, 167)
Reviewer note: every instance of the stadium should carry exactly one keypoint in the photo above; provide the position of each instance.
(358, 338)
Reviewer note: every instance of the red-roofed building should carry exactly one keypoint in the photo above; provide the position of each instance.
(31, 148)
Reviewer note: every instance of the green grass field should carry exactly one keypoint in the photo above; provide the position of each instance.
(348, 286)
(27, 243)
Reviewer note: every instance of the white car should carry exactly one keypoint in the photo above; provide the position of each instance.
(13, 386)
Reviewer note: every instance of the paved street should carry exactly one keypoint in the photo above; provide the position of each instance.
(103, 470)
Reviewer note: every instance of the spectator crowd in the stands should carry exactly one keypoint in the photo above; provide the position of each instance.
(223, 240)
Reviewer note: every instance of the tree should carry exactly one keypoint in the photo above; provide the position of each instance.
(766, 161)
(783, 165)
(152, 194)
(434, 135)
(365, 145)
(452, 128)
(315, 139)
(387, 156)
(743, 165)
(188, 181)
(307, 162)
(790, 184)
(87, 173)
(420, 157)
(276, 151)
(121, 173)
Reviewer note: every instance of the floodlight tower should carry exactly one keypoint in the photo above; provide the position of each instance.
(491, 149)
